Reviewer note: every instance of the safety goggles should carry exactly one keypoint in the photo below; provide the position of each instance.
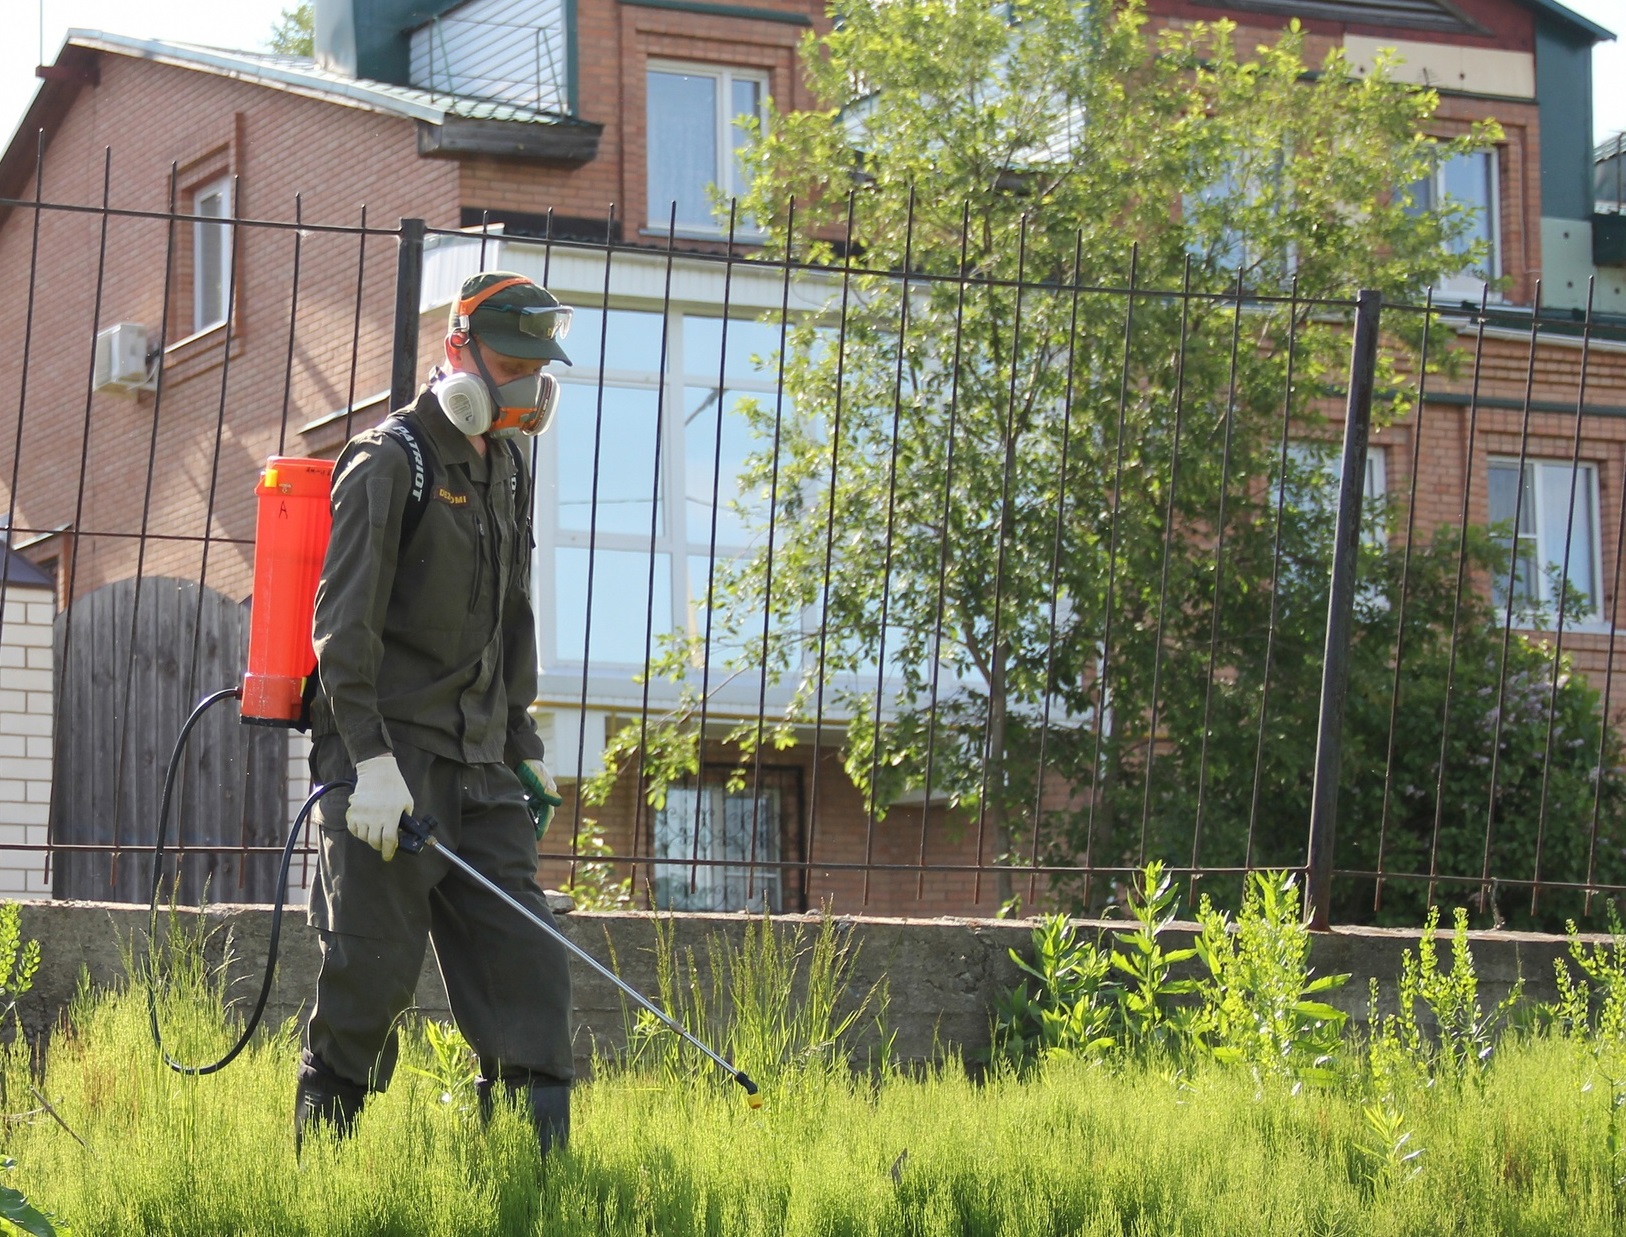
(541, 321)
(551, 322)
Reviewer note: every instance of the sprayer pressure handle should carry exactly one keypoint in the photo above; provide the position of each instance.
(415, 831)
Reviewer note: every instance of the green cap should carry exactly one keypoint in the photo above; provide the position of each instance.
(511, 315)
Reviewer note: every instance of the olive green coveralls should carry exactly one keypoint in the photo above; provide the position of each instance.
(428, 650)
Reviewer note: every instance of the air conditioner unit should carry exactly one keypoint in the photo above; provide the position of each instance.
(121, 359)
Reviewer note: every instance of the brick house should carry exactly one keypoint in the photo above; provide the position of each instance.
(586, 120)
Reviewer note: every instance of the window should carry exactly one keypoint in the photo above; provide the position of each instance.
(650, 524)
(1223, 215)
(1541, 505)
(1314, 469)
(695, 135)
(740, 827)
(1470, 179)
(211, 255)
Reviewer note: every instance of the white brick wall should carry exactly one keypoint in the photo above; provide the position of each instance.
(302, 873)
(26, 711)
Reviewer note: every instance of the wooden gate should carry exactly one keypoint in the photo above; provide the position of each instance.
(133, 659)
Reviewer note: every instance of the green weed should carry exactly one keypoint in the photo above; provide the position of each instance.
(1147, 1017)
(779, 1004)
(1258, 1004)
(1065, 1009)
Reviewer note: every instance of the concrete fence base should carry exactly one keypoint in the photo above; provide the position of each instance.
(943, 974)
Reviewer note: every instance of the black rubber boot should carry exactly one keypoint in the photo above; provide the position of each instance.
(547, 1103)
(550, 1114)
(326, 1099)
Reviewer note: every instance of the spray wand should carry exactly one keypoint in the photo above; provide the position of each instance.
(418, 835)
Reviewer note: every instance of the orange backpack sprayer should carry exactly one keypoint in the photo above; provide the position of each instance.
(292, 528)
(290, 539)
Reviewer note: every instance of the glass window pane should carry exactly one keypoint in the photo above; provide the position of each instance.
(682, 128)
(1553, 517)
(1503, 492)
(703, 478)
(631, 340)
(211, 250)
(747, 100)
(621, 609)
(626, 459)
(741, 647)
(1467, 179)
(752, 349)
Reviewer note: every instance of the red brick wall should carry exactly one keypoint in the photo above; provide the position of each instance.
(615, 43)
(838, 818)
(279, 145)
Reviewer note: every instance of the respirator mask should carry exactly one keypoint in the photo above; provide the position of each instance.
(476, 404)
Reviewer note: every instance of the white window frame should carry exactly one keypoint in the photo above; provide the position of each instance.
(1548, 472)
(1374, 487)
(1240, 251)
(1468, 283)
(723, 179)
(686, 607)
(212, 240)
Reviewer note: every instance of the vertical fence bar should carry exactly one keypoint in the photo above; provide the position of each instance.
(656, 493)
(961, 280)
(1341, 607)
(1103, 693)
(1055, 551)
(71, 583)
(997, 734)
(1271, 624)
(1168, 546)
(592, 549)
(1472, 440)
(711, 548)
(767, 577)
(886, 558)
(830, 543)
(355, 324)
(1405, 597)
(127, 693)
(1486, 889)
(293, 324)
(1219, 588)
(1563, 600)
(408, 298)
(17, 442)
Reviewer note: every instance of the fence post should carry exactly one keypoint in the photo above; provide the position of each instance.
(1341, 608)
(408, 298)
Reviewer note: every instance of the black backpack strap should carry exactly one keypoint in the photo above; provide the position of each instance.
(402, 431)
(522, 487)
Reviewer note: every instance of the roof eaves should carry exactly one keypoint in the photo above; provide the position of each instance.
(1584, 25)
(313, 84)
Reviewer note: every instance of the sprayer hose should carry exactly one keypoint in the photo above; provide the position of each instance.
(278, 897)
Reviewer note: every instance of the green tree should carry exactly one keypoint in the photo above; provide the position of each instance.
(1022, 480)
(294, 33)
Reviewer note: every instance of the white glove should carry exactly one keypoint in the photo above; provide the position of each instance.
(377, 803)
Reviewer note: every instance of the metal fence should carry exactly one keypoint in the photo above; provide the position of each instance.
(923, 589)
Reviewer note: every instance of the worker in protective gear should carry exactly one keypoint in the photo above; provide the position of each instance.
(426, 668)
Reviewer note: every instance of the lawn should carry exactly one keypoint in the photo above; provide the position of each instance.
(1171, 1125)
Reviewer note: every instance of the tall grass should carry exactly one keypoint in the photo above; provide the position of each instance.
(1136, 1144)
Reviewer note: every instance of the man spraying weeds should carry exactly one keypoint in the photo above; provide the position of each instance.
(426, 666)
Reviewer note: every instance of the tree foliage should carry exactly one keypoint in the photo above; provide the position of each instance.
(294, 33)
(1022, 498)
